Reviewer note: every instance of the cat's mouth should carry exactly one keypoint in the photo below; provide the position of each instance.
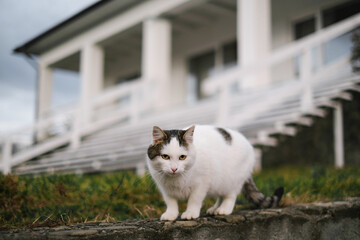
(172, 174)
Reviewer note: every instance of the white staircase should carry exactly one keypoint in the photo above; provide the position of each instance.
(124, 146)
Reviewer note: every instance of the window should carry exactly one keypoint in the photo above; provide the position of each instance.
(304, 27)
(328, 17)
(340, 12)
(331, 50)
(128, 78)
(201, 66)
(230, 53)
(340, 46)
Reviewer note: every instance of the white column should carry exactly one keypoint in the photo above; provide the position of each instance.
(305, 78)
(91, 71)
(6, 156)
(258, 159)
(76, 126)
(254, 37)
(338, 136)
(91, 83)
(44, 90)
(44, 94)
(223, 105)
(156, 59)
(141, 169)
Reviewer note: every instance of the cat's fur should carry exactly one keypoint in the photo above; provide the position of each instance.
(219, 163)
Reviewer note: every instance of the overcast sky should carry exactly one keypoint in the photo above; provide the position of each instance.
(20, 21)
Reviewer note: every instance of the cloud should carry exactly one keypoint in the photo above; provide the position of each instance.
(20, 21)
(16, 108)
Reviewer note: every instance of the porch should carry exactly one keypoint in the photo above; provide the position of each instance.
(179, 62)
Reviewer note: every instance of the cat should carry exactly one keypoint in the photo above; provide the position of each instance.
(203, 161)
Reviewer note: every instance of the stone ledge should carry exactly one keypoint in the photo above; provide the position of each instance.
(325, 220)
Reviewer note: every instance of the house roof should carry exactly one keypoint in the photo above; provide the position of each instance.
(80, 22)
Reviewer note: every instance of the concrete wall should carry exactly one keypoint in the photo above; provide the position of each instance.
(319, 221)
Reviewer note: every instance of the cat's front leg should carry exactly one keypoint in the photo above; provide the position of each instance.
(194, 203)
(172, 209)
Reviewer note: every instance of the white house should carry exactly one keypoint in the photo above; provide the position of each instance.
(260, 66)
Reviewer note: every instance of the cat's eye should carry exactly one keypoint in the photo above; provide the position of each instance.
(182, 157)
(165, 156)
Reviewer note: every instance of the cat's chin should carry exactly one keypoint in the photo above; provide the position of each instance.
(168, 174)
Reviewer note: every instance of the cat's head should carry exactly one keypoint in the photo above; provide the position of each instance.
(172, 152)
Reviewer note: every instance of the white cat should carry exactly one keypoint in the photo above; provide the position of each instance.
(204, 161)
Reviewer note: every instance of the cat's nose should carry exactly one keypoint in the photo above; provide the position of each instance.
(174, 169)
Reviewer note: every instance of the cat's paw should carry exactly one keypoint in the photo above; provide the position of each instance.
(211, 211)
(169, 216)
(223, 211)
(190, 215)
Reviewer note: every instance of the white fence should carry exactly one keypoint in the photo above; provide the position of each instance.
(121, 103)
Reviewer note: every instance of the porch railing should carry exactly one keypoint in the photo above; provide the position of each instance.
(222, 83)
(67, 126)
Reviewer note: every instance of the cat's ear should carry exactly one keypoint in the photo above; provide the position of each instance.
(158, 135)
(189, 133)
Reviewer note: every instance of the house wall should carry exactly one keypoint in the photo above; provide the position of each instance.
(123, 67)
(195, 42)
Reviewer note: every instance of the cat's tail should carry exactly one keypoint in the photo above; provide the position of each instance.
(253, 195)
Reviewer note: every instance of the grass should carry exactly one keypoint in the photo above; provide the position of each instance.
(50, 200)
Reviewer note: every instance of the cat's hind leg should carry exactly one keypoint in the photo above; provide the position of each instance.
(227, 205)
(211, 210)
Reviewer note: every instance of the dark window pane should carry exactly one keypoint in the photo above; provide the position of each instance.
(200, 67)
(304, 27)
(230, 53)
(340, 12)
(128, 78)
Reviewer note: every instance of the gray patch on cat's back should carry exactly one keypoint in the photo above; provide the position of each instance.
(226, 135)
